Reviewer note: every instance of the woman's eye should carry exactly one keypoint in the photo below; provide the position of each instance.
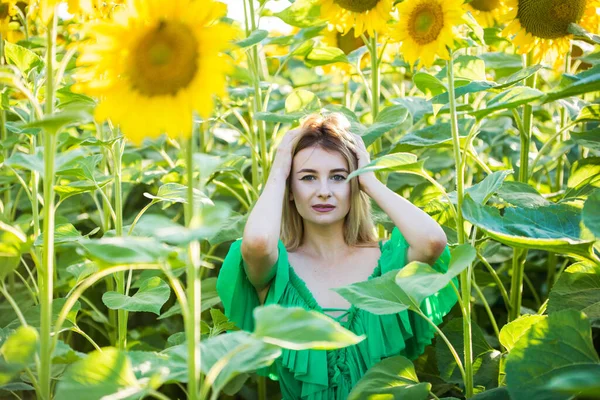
(338, 178)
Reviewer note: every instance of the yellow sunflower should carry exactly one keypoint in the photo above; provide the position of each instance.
(540, 27)
(362, 15)
(425, 28)
(9, 22)
(487, 12)
(157, 64)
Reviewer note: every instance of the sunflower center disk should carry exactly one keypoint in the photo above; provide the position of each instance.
(426, 23)
(358, 6)
(549, 19)
(4, 10)
(485, 5)
(348, 43)
(164, 60)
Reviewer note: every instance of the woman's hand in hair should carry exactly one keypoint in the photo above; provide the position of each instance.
(283, 156)
(363, 159)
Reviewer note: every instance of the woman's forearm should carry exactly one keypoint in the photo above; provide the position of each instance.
(421, 231)
(264, 222)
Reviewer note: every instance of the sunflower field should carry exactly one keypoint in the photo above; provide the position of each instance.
(137, 135)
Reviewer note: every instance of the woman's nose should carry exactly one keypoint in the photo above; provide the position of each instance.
(324, 190)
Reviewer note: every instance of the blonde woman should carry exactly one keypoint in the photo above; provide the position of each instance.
(310, 231)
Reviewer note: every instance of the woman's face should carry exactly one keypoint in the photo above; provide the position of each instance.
(318, 177)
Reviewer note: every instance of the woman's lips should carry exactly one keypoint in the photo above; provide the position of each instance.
(323, 209)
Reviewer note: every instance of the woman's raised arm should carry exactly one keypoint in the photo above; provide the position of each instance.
(261, 233)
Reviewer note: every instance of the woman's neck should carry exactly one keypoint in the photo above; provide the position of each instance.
(325, 242)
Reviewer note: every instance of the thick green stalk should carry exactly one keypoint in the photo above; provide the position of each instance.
(192, 322)
(465, 276)
(563, 123)
(106, 215)
(122, 315)
(35, 183)
(46, 274)
(520, 255)
(3, 137)
(257, 103)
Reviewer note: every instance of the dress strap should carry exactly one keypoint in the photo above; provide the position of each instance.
(338, 318)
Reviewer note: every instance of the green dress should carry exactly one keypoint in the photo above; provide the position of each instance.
(331, 374)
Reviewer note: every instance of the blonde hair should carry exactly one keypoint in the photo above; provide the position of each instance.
(330, 132)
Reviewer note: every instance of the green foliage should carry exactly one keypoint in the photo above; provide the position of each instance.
(392, 378)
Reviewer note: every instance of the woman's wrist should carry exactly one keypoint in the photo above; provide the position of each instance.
(369, 183)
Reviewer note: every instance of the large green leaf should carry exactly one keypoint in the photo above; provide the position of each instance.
(419, 280)
(396, 291)
(511, 98)
(210, 298)
(32, 315)
(151, 296)
(55, 122)
(302, 100)
(512, 332)
(582, 380)
(216, 221)
(521, 195)
(429, 84)
(324, 55)
(379, 295)
(255, 37)
(125, 250)
(482, 191)
(578, 287)
(552, 228)
(17, 352)
(585, 82)
(485, 358)
(301, 14)
(177, 193)
(81, 186)
(388, 119)
(561, 340)
(500, 393)
(591, 213)
(437, 135)
(589, 139)
(400, 162)
(23, 58)
(82, 168)
(242, 351)
(393, 379)
(100, 374)
(27, 161)
(63, 233)
(471, 87)
(298, 329)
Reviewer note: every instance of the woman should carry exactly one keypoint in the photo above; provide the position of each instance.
(326, 240)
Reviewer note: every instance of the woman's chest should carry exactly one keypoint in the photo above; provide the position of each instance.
(320, 278)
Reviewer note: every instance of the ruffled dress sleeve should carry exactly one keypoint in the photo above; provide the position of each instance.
(416, 331)
(237, 294)
(301, 373)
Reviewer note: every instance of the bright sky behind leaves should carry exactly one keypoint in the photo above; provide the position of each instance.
(235, 10)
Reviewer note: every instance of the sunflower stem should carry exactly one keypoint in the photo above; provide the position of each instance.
(563, 123)
(520, 255)
(3, 137)
(122, 315)
(192, 322)
(465, 276)
(257, 104)
(46, 273)
(372, 46)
